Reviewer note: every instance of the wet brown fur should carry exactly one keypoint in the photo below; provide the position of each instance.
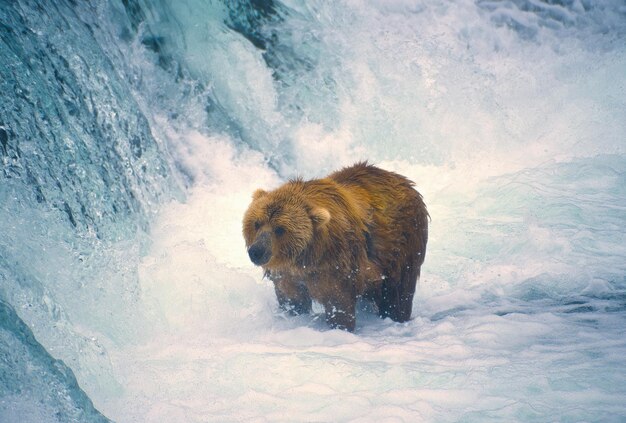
(361, 231)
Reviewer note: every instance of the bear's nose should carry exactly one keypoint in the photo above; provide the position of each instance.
(260, 252)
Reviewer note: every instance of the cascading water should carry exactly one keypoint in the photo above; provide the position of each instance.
(133, 132)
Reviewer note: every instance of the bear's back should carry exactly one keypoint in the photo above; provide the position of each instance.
(363, 173)
(381, 187)
(398, 216)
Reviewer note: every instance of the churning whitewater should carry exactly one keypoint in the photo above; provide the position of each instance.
(133, 134)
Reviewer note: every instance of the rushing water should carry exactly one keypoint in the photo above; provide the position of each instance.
(133, 132)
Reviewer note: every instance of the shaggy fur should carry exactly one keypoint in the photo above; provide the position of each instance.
(361, 231)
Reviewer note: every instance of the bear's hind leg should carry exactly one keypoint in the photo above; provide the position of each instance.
(388, 299)
(396, 297)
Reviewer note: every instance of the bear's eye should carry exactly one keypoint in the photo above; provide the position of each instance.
(279, 230)
(257, 225)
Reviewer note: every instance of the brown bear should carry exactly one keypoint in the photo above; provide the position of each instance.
(359, 232)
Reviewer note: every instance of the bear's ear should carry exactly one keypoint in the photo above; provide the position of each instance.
(258, 194)
(320, 216)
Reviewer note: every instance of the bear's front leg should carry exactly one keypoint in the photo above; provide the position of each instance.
(292, 296)
(340, 311)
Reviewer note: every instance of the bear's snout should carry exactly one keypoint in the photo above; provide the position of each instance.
(261, 251)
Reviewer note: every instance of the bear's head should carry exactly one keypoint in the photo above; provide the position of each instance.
(280, 225)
